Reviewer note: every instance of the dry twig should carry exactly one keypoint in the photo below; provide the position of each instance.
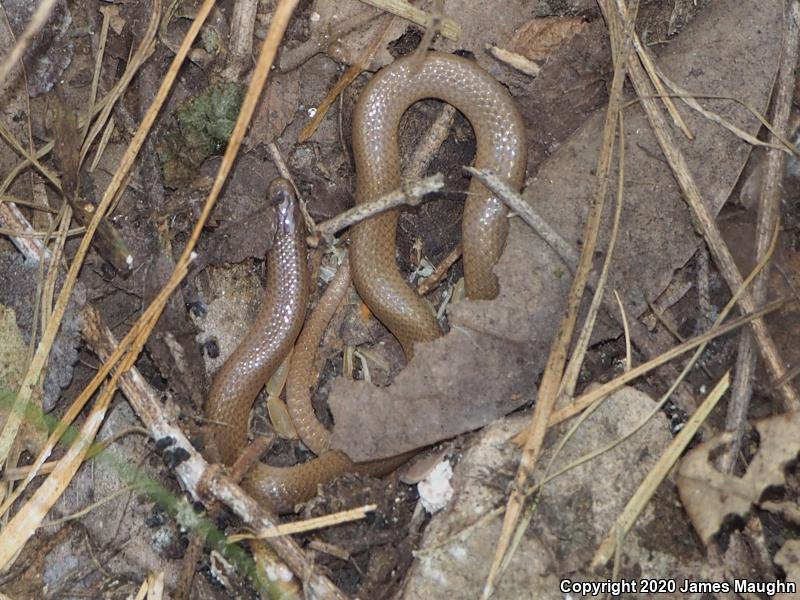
(708, 227)
(768, 220)
(37, 21)
(411, 194)
(551, 379)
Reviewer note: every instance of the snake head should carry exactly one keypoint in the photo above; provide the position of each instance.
(281, 195)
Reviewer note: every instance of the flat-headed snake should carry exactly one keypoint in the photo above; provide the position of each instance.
(499, 133)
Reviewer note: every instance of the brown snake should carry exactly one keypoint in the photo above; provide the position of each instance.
(500, 147)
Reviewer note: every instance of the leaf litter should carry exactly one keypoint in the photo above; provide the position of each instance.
(508, 338)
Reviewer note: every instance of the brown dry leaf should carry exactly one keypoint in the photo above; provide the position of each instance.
(330, 15)
(115, 19)
(276, 108)
(539, 38)
(710, 496)
(476, 30)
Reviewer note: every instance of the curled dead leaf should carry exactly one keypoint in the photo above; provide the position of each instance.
(539, 38)
(710, 496)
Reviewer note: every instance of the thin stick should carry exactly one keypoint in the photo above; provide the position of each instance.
(430, 143)
(323, 38)
(710, 231)
(431, 29)
(240, 45)
(411, 194)
(277, 158)
(430, 282)
(768, 220)
(345, 516)
(526, 212)
(551, 379)
(38, 20)
(345, 80)
(24, 238)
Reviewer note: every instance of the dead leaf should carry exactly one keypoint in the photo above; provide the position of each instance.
(710, 496)
(276, 109)
(115, 20)
(245, 219)
(539, 38)
(330, 15)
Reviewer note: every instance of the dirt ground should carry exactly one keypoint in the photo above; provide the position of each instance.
(132, 517)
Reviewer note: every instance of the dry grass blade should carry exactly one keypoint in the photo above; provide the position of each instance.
(344, 516)
(19, 473)
(707, 225)
(691, 101)
(768, 221)
(152, 588)
(591, 399)
(626, 330)
(346, 79)
(148, 319)
(25, 522)
(447, 27)
(121, 174)
(90, 507)
(655, 77)
(38, 19)
(647, 488)
(143, 52)
(571, 373)
(31, 514)
(551, 379)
